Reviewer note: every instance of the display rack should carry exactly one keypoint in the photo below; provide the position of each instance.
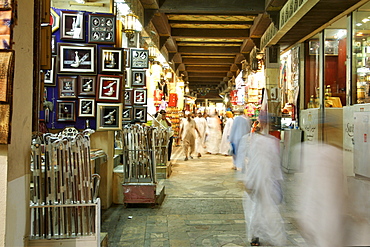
(173, 114)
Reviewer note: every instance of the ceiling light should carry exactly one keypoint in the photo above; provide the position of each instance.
(365, 20)
(358, 24)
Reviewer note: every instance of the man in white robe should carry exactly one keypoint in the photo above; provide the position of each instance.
(201, 123)
(213, 134)
(225, 143)
(241, 126)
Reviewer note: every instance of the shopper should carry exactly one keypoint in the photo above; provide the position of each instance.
(225, 143)
(201, 123)
(187, 134)
(241, 126)
(262, 177)
(166, 123)
(214, 133)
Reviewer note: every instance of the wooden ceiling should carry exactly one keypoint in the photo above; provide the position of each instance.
(207, 39)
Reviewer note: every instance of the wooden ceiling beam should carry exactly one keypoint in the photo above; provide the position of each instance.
(204, 74)
(206, 69)
(208, 61)
(209, 50)
(160, 21)
(210, 33)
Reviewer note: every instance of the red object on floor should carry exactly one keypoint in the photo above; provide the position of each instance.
(139, 193)
(275, 133)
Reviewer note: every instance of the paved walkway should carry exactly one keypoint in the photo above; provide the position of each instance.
(202, 207)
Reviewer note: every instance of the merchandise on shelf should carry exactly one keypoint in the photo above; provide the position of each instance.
(174, 115)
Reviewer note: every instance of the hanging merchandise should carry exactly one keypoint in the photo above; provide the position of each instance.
(234, 97)
(173, 100)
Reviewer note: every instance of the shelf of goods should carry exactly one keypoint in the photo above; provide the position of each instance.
(254, 95)
(64, 207)
(174, 115)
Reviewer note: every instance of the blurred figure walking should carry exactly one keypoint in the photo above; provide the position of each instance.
(187, 134)
(214, 133)
(200, 140)
(225, 143)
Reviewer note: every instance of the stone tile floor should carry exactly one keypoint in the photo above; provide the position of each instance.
(202, 207)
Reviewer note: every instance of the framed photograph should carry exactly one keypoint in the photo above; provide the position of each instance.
(109, 88)
(140, 113)
(111, 60)
(139, 58)
(86, 107)
(53, 45)
(126, 56)
(49, 79)
(54, 20)
(66, 111)
(6, 75)
(72, 25)
(127, 75)
(138, 78)
(86, 85)
(102, 29)
(67, 86)
(139, 96)
(109, 116)
(77, 58)
(128, 97)
(127, 114)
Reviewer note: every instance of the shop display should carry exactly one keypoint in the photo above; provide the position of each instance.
(72, 25)
(109, 116)
(102, 29)
(54, 20)
(109, 88)
(111, 60)
(86, 107)
(140, 113)
(127, 114)
(128, 97)
(5, 30)
(139, 95)
(66, 111)
(77, 58)
(86, 85)
(64, 196)
(173, 114)
(139, 59)
(67, 86)
(138, 78)
(49, 79)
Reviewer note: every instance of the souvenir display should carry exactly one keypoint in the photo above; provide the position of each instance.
(139, 96)
(109, 88)
(138, 78)
(109, 116)
(86, 85)
(140, 113)
(139, 58)
(67, 86)
(102, 29)
(111, 60)
(66, 111)
(86, 107)
(127, 114)
(77, 58)
(72, 25)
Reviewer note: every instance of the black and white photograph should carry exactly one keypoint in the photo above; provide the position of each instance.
(77, 58)
(128, 97)
(109, 116)
(127, 114)
(102, 29)
(49, 79)
(138, 78)
(139, 96)
(87, 85)
(67, 86)
(66, 111)
(72, 25)
(139, 58)
(111, 60)
(86, 107)
(140, 113)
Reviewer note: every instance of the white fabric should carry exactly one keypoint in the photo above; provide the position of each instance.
(263, 175)
(200, 140)
(322, 197)
(241, 126)
(225, 144)
(213, 135)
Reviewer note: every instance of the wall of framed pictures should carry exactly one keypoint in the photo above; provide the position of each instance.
(92, 83)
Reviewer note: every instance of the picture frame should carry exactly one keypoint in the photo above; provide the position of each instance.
(109, 116)
(138, 78)
(5, 130)
(86, 85)
(140, 113)
(127, 114)
(54, 20)
(66, 111)
(127, 76)
(54, 49)
(72, 26)
(102, 29)
(126, 52)
(109, 88)
(139, 58)
(7, 19)
(77, 58)
(45, 40)
(49, 76)
(67, 86)
(140, 96)
(112, 60)
(86, 107)
(128, 98)
(7, 60)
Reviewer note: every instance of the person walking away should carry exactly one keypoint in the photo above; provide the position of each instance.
(241, 126)
(201, 123)
(187, 134)
(262, 177)
(214, 133)
(166, 123)
(225, 143)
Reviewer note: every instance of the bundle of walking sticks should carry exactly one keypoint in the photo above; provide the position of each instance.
(64, 193)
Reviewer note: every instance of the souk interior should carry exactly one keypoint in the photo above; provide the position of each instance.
(103, 77)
